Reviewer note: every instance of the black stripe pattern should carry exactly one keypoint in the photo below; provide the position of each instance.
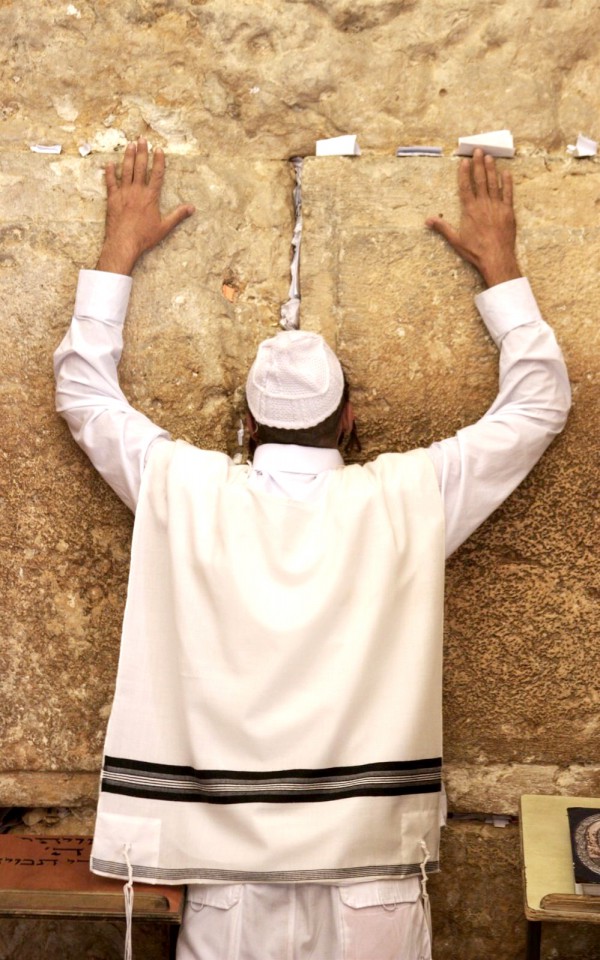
(212, 875)
(159, 781)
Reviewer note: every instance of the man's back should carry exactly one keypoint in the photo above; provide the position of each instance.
(286, 659)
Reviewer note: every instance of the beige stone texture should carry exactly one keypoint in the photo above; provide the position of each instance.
(477, 902)
(65, 537)
(521, 617)
(268, 79)
(61, 939)
(232, 90)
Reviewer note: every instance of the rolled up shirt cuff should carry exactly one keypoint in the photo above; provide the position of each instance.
(506, 306)
(102, 296)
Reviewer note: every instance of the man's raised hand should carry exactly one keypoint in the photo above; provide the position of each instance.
(134, 222)
(487, 231)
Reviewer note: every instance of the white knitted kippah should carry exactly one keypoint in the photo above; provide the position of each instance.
(295, 382)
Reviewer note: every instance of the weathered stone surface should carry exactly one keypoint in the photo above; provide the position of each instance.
(24, 788)
(269, 79)
(487, 787)
(65, 537)
(231, 90)
(62, 939)
(521, 621)
(477, 902)
(497, 787)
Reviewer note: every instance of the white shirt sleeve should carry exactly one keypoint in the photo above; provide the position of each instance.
(116, 437)
(477, 469)
(482, 464)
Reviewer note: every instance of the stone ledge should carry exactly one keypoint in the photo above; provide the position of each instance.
(497, 787)
(489, 788)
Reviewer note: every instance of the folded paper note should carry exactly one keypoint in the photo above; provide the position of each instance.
(345, 146)
(42, 148)
(498, 143)
(419, 152)
(583, 148)
(290, 310)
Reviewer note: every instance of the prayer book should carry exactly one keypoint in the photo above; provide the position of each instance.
(47, 876)
(584, 827)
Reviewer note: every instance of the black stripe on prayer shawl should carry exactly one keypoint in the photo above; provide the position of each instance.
(200, 875)
(161, 781)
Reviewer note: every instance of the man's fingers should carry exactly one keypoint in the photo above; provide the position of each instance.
(465, 187)
(111, 178)
(492, 177)
(175, 217)
(140, 165)
(507, 188)
(158, 170)
(445, 229)
(128, 164)
(479, 174)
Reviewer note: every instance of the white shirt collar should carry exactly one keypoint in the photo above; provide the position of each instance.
(290, 458)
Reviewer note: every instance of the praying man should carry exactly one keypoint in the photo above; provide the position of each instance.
(275, 736)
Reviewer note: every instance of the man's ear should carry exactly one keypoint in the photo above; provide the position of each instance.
(251, 424)
(347, 418)
(346, 422)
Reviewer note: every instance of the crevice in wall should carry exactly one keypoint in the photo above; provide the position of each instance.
(493, 819)
(290, 310)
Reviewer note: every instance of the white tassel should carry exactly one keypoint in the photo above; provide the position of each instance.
(424, 894)
(128, 894)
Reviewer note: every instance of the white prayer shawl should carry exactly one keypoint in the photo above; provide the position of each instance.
(277, 715)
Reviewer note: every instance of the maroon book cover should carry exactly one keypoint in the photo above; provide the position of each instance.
(54, 872)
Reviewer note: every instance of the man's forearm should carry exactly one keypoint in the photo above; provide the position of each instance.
(114, 435)
(481, 466)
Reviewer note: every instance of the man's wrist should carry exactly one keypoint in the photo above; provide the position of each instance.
(500, 270)
(116, 260)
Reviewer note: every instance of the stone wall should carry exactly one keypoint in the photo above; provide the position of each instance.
(232, 91)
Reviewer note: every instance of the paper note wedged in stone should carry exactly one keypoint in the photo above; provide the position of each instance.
(53, 148)
(419, 151)
(498, 143)
(345, 146)
(585, 147)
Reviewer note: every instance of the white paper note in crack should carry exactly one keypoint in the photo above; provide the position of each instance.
(498, 143)
(53, 148)
(583, 148)
(419, 151)
(345, 146)
(290, 310)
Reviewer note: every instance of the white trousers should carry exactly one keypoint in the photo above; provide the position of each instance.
(379, 920)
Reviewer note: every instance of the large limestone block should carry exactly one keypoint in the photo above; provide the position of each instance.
(470, 786)
(63, 939)
(268, 79)
(521, 619)
(477, 901)
(201, 304)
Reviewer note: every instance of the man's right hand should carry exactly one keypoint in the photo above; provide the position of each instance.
(134, 222)
(487, 231)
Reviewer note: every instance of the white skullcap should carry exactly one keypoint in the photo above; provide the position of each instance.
(295, 382)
